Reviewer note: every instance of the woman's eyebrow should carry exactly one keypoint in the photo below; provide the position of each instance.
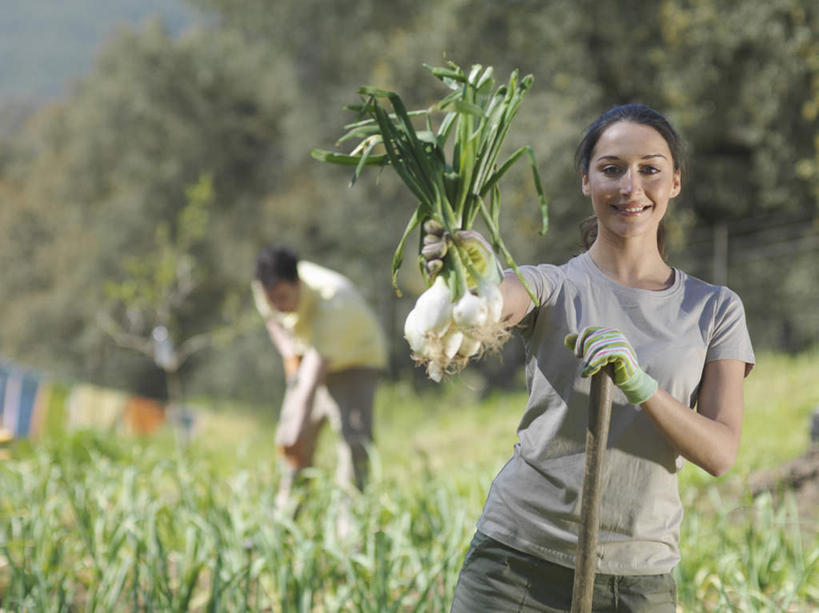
(645, 157)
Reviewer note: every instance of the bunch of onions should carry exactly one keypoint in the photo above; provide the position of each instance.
(459, 315)
(444, 334)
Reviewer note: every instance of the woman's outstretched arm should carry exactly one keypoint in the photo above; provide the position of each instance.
(516, 300)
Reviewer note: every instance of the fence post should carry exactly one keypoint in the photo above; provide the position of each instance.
(720, 262)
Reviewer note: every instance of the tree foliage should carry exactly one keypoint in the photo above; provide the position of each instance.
(95, 187)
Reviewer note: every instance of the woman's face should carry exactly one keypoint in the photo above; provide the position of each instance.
(630, 180)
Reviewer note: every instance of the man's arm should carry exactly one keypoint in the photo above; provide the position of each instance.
(285, 346)
(311, 374)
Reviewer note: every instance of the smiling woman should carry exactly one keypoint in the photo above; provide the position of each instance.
(630, 180)
(641, 117)
(629, 185)
(675, 344)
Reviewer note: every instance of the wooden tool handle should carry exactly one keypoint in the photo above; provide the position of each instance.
(597, 435)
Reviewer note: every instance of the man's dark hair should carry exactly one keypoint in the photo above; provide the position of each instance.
(276, 263)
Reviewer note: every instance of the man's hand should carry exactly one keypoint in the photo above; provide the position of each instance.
(598, 346)
(312, 371)
(291, 366)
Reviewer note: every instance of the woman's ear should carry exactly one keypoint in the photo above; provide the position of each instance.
(676, 186)
(584, 184)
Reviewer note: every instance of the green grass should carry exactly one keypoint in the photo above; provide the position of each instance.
(780, 395)
(94, 522)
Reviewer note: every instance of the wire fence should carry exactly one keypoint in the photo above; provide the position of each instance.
(773, 264)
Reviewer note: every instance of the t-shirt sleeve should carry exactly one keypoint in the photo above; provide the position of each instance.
(730, 339)
(541, 279)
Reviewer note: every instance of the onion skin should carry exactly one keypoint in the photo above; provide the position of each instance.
(470, 311)
(494, 300)
(413, 333)
(434, 308)
(452, 342)
(469, 346)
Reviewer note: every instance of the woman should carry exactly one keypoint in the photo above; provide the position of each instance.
(675, 343)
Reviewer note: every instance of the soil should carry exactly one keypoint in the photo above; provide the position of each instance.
(800, 477)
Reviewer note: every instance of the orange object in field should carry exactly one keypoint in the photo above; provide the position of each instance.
(143, 415)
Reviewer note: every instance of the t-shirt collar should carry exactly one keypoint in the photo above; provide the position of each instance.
(626, 291)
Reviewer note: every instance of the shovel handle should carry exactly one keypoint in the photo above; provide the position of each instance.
(597, 435)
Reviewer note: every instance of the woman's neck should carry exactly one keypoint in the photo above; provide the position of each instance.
(632, 263)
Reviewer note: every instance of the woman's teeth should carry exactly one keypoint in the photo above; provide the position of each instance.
(632, 210)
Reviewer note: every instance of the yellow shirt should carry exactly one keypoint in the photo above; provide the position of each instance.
(331, 317)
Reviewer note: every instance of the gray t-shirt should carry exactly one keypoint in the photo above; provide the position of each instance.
(534, 502)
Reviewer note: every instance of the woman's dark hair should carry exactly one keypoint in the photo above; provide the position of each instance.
(634, 113)
(276, 263)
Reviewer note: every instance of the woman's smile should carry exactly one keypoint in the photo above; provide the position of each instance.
(631, 210)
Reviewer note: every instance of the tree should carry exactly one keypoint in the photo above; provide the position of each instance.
(742, 83)
(147, 306)
(92, 181)
(98, 173)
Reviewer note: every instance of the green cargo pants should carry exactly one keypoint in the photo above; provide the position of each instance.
(498, 579)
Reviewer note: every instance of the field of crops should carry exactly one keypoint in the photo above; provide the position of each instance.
(95, 522)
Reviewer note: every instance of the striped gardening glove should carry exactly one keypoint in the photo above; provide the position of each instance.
(599, 346)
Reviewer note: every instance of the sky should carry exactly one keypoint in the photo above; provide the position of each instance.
(44, 44)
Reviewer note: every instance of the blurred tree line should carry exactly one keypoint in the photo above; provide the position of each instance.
(143, 197)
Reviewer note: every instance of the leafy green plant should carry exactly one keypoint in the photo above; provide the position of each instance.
(104, 523)
(451, 192)
(460, 314)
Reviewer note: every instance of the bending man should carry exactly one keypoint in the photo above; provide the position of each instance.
(334, 351)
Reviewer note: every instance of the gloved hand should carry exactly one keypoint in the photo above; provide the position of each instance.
(436, 244)
(599, 346)
(472, 246)
(483, 263)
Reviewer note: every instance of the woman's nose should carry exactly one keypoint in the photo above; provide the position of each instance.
(629, 182)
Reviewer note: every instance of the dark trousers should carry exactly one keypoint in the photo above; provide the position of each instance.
(498, 579)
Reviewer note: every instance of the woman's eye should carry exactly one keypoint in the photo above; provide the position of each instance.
(649, 170)
(610, 171)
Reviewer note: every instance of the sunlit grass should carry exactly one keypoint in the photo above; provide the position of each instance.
(97, 522)
(780, 395)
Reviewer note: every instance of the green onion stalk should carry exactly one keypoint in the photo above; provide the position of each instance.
(453, 172)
